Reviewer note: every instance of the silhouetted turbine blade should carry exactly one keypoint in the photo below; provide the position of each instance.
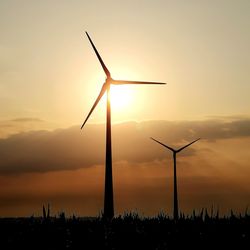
(163, 144)
(96, 102)
(99, 57)
(187, 145)
(118, 82)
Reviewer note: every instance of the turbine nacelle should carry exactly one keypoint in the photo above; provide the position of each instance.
(108, 80)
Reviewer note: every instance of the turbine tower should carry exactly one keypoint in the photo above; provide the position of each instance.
(175, 151)
(108, 193)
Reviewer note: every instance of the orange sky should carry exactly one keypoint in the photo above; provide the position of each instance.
(50, 77)
(49, 70)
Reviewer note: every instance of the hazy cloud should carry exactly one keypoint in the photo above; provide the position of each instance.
(72, 148)
(27, 119)
(23, 124)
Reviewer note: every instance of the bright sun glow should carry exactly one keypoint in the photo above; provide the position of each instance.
(121, 97)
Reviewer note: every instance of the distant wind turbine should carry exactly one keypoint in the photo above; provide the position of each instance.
(175, 151)
(108, 193)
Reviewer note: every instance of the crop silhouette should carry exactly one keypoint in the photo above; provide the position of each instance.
(200, 230)
(46, 214)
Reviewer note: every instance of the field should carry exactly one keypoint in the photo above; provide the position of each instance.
(129, 231)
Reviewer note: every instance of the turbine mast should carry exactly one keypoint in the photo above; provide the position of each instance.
(176, 212)
(108, 195)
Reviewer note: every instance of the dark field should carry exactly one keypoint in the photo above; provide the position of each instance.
(127, 232)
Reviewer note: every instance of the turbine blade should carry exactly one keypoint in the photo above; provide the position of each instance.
(118, 82)
(164, 145)
(187, 145)
(96, 102)
(99, 57)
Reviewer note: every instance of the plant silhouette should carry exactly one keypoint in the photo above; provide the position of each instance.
(200, 230)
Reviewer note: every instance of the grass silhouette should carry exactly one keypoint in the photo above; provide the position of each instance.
(201, 230)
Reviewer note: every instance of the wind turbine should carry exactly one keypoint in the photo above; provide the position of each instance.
(175, 151)
(108, 193)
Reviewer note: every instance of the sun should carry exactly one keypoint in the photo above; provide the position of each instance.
(121, 97)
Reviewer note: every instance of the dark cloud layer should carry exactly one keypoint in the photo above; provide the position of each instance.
(72, 148)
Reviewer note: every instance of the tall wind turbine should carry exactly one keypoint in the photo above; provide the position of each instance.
(175, 151)
(108, 193)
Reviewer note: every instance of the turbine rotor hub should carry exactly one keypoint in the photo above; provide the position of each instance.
(108, 80)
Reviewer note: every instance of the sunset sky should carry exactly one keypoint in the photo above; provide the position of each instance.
(50, 77)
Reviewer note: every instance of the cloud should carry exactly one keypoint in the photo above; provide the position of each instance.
(27, 119)
(72, 148)
(23, 124)
(212, 129)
